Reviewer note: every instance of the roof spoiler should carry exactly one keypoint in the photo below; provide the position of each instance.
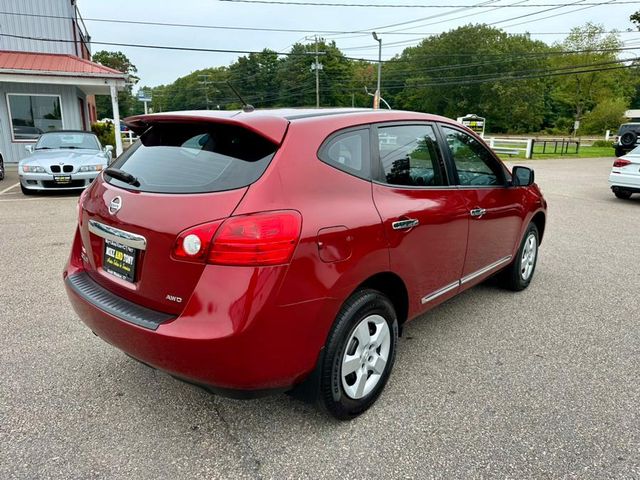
(270, 127)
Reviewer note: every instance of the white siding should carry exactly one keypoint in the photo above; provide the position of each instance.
(38, 27)
(71, 117)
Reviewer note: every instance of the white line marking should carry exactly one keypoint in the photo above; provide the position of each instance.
(9, 188)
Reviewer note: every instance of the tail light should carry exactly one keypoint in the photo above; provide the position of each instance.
(621, 162)
(265, 238)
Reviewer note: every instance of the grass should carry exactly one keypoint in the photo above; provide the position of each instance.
(584, 152)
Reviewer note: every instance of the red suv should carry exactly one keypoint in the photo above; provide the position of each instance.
(249, 252)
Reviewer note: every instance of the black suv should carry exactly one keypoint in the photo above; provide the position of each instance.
(627, 138)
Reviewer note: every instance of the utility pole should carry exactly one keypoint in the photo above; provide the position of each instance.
(206, 83)
(317, 66)
(376, 98)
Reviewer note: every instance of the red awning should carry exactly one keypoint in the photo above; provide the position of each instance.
(53, 64)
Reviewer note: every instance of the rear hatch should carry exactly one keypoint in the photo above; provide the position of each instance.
(181, 173)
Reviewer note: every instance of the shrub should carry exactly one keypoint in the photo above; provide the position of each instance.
(602, 143)
(105, 133)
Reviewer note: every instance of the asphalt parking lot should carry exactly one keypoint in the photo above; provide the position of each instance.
(540, 384)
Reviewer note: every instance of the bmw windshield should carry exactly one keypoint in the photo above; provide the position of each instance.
(68, 140)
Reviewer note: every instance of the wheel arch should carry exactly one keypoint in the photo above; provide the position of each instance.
(540, 221)
(393, 287)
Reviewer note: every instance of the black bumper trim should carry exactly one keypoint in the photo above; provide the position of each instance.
(100, 297)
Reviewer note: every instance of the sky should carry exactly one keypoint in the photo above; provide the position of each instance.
(156, 67)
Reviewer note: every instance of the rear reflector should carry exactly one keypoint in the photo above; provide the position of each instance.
(621, 162)
(265, 238)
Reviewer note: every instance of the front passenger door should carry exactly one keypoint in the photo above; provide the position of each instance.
(495, 211)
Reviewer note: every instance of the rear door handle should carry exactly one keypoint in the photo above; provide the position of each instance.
(405, 224)
(478, 212)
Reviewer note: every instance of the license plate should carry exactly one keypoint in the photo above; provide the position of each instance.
(62, 179)
(119, 260)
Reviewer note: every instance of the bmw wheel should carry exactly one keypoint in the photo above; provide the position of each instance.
(360, 353)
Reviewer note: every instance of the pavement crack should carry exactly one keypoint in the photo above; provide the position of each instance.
(249, 457)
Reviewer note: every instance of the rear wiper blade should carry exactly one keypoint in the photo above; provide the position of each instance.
(122, 176)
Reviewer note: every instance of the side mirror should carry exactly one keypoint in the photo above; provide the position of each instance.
(29, 148)
(522, 177)
(108, 148)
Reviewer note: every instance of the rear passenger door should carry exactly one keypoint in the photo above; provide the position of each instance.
(495, 211)
(425, 218)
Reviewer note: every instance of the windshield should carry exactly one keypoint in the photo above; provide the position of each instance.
(194, 158)
(628, 127)
(75, 140)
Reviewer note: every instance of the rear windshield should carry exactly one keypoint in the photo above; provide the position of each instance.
(194, 158)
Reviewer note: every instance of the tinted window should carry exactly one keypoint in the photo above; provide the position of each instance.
(410, 156)
(195, 158)
(475, 165)
(32, 115)
(348, 151)
(629, 127)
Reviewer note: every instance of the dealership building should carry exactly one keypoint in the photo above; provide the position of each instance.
(47, 80)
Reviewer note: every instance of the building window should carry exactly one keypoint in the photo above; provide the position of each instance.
(33, 115)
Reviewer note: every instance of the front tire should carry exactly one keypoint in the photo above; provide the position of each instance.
(518, 275)
(26, 191)
(360, 353)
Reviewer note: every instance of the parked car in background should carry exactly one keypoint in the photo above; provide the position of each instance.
(63, 160)
(627, 139)
(625, 174)
(275, 250)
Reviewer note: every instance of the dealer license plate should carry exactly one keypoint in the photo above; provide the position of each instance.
(119, 260)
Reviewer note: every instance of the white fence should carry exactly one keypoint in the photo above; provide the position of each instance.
(511, 146)
(128, 137)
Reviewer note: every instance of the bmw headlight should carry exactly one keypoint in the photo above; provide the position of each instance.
(91, 168)
(32, 169)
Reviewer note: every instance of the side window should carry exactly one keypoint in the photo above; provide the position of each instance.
(348, 151)
(475, 165)
(410, 156)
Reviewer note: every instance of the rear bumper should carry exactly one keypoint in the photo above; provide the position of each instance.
(625, 181)
(238, 349)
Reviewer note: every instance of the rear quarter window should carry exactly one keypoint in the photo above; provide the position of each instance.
(348, 151)
(194, 158)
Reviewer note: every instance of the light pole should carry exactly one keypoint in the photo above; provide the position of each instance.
(376, 99)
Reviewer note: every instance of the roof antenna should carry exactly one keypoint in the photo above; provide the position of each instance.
(246, 108)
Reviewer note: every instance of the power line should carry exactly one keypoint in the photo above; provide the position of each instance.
(266, 29)
(378, 5)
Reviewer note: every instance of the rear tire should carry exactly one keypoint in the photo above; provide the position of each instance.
(360, 353)
(623, 194)
(619, 151)
(518, 275)
(1, 168)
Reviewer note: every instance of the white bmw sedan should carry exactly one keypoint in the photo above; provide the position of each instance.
(625, 174)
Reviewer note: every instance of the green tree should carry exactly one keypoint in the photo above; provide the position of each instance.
(457, 72)
(126, 101)
(256, 78)
(595, 50)
(607, 115)
(635, 18)
(297, 80)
